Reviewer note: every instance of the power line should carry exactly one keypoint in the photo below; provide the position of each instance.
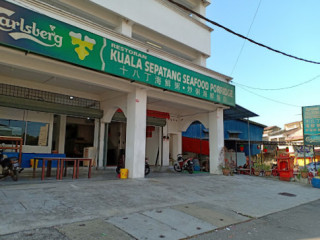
(244, 41)
(241, 36)
(270, 99)
(278, 89)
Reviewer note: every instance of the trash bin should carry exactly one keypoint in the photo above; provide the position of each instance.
(123, 173)
(315, 182)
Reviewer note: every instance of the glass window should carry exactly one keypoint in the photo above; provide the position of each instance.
(12, 128)
(37, 134)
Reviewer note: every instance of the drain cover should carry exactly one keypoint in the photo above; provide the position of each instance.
(287, 194)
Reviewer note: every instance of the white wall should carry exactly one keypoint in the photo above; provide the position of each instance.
(157, 16)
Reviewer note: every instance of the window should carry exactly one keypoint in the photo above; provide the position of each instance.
(37, 134)
(233, 135)
(12, 128)
(32, 133)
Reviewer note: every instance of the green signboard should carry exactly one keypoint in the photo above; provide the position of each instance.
(30, 31)
(311, 125)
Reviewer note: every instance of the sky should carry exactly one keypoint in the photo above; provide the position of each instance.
(291, 26)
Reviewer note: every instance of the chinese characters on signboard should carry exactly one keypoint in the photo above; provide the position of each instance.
(311, 125)
(34, 32)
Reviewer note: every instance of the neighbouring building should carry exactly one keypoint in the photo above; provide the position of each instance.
(121, 77)
(292, 133)
(237, 128)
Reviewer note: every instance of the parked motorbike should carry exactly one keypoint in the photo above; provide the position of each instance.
(121, 165)
(183, 164)
(146, 167)
(10, 166)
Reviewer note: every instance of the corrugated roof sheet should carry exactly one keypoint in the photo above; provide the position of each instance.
(237, 112)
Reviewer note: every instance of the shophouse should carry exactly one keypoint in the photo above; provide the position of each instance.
(118, 76)
(242, 137)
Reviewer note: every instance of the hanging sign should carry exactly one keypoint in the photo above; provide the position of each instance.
(311, 125)
(34, 32)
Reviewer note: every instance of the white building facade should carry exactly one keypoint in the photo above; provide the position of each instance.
(125, 77)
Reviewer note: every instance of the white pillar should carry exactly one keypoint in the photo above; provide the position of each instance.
(179, 142)
(101, 145)
(165, 146)
(201, 60)
(96, 140)
(216, 140)
(62, 133)
(201, 9)
(125, 27)
(136, 133)
(176, 144)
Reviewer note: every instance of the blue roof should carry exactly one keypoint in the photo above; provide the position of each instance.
(237, 112)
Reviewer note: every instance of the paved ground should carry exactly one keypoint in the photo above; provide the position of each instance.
(165, 205)
(297, 223)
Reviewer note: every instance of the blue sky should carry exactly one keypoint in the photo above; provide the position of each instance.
(292, 26)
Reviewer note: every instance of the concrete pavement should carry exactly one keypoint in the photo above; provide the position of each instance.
(297, 223)
(165, 205)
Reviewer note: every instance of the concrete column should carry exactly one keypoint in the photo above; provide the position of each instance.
(62, 133)
(136, 133)
(101, 145)
(201, 60)
(201, 9)
(176, 145)
(216, 140)
(125, 27)
(96, 133)
(95, 140)
(165, 146)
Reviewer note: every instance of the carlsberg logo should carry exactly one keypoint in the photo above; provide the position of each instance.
(18, 29)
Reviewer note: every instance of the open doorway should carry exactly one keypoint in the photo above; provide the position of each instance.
(116, 137)
(79, 135)
(153, 146)
(116, 142)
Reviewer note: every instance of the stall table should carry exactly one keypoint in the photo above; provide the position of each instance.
(76, 166)
(61, 165)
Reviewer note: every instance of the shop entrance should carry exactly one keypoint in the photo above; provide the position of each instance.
(79, 135)
(116, 137)
(116, 142)
(153, 146)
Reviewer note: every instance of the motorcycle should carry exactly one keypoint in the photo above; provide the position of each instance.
(121, 165)
(183, 164)
(10, 166)
(146, 167)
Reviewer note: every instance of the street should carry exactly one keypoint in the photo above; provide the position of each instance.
(165, 205)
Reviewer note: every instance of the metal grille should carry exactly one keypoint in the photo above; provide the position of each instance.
(43, 96)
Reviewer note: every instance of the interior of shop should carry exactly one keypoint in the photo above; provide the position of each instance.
(79, 135)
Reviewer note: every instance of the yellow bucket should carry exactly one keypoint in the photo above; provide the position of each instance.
(32, 162)
(123, 173)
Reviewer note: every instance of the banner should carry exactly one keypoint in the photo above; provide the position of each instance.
(34, 32)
